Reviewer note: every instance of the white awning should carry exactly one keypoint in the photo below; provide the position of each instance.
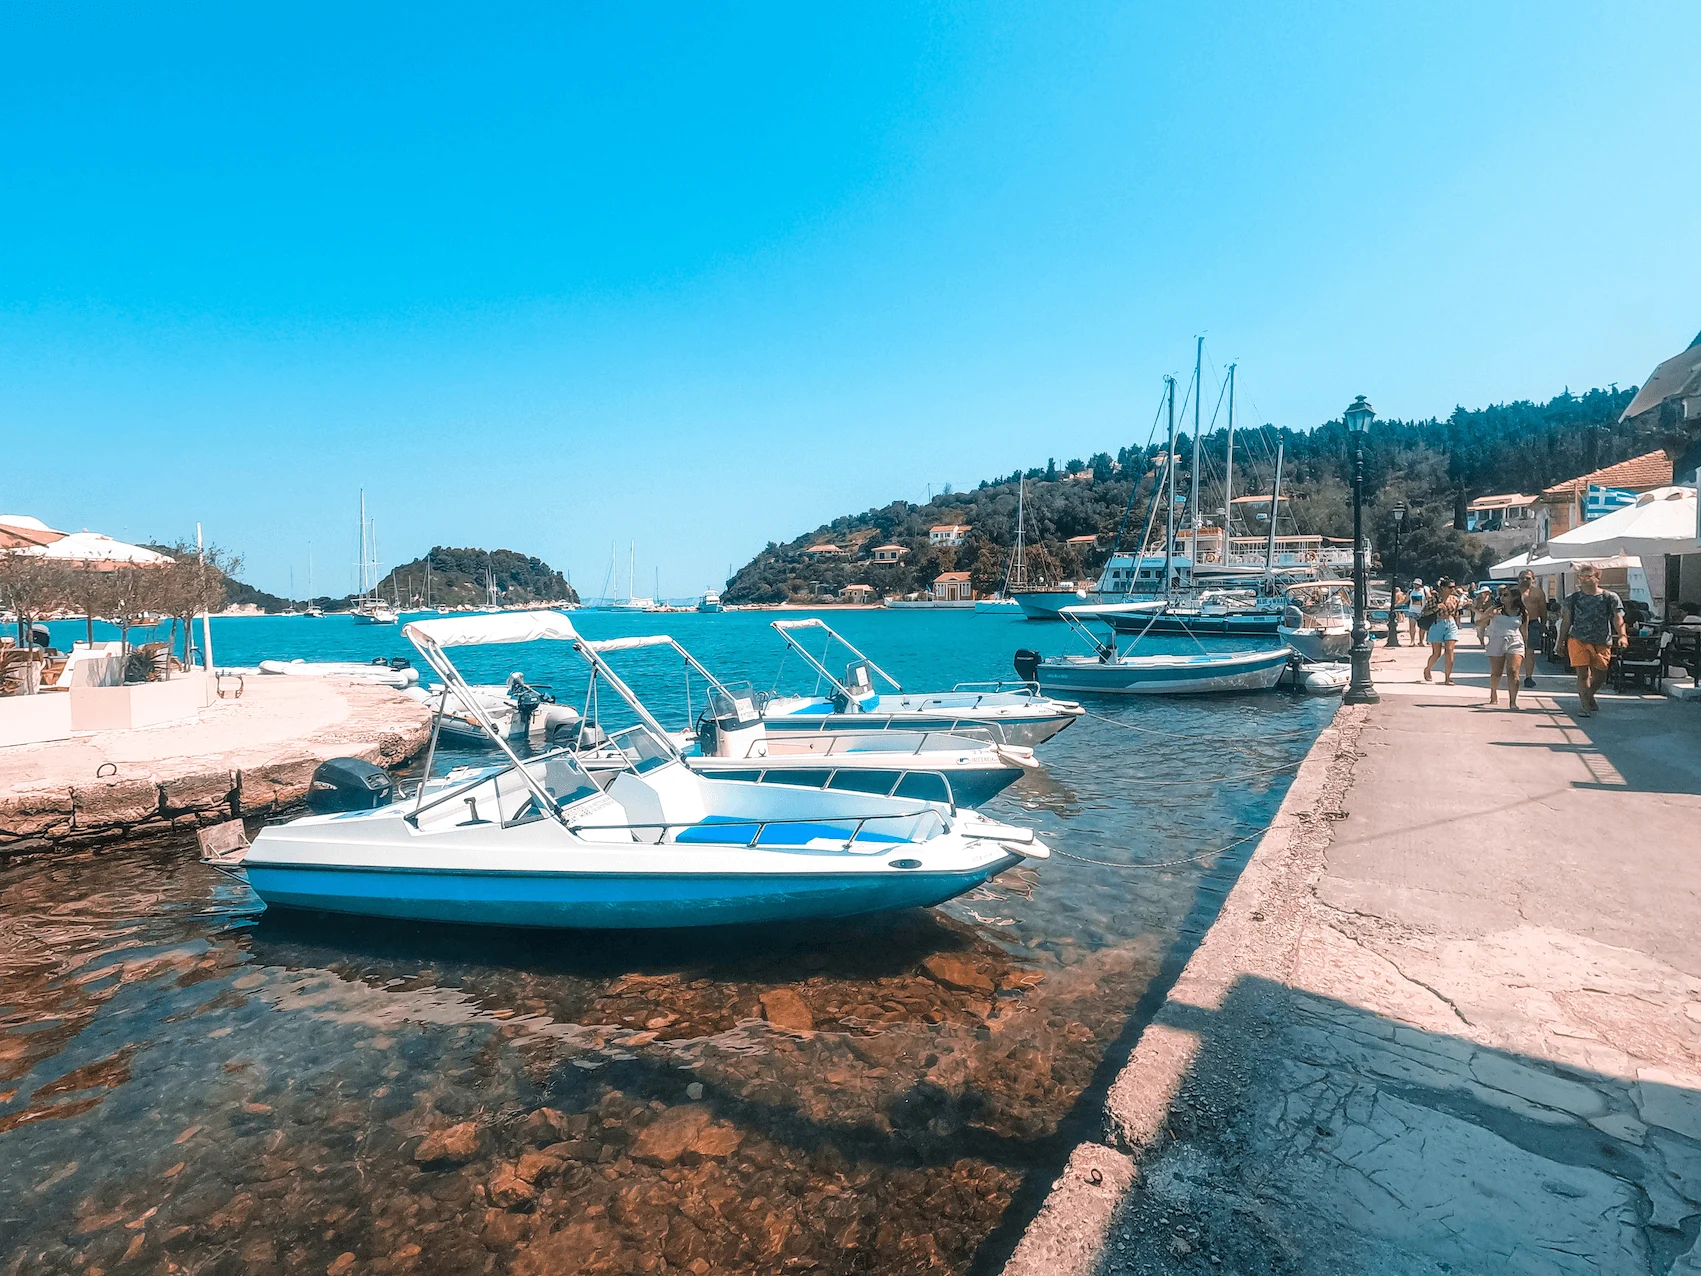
(498, 627)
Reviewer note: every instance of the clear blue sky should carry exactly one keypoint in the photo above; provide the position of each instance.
(560, 279)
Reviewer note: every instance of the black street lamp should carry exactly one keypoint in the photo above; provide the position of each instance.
(1360, 690)
(1394, 578)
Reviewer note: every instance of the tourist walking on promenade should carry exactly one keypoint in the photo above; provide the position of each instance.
(1591, 626)
(1507, 631)
(1535, 614)
(1441, 629)
(1416, 597)
(1482, 611)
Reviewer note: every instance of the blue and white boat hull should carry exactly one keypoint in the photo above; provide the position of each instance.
(1164, 675)
(604, 901)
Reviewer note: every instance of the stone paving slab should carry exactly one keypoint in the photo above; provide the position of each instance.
(1448, 1021)
(244, 756)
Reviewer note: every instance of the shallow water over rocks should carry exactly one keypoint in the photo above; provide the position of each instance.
(187, 1084)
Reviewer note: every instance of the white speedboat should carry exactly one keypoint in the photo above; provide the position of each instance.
(732, 741)
(1009, 713)
(541, 842)
(1112, 671)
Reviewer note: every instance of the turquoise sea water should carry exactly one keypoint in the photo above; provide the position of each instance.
(186, 1080)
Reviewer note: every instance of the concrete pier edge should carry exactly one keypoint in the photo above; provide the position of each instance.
(1261, 915)
(169, 780)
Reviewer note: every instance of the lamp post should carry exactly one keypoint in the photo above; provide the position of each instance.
(1394, 578)
(1360, 690)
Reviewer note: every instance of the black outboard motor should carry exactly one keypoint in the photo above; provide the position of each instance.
(1027, 664)
(349, 784)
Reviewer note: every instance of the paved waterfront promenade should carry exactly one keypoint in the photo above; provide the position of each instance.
(240, 756)
(1449, 1020)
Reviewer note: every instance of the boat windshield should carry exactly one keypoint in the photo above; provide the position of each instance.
(642, 749)
(734, 705)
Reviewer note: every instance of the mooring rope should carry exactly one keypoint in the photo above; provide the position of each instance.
(1191, 859)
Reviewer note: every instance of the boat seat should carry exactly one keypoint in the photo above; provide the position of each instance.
(670, 794)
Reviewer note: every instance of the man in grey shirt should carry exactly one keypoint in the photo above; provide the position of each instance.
(1592, 626)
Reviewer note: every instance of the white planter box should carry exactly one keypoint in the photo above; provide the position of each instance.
(145, 704)
(32, 719)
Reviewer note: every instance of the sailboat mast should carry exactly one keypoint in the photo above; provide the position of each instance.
(1193, 519)
(1169, 512)
(1275, 504)
(632, 571)
(1228, 472)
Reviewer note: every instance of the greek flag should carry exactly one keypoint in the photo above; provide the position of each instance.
(1604, 500)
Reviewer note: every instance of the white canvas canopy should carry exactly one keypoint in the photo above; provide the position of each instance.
(1546, 564)
(91, 549)
(499, 627)
(1660, 522)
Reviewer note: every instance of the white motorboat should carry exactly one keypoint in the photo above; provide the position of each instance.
(1318, 620)
(731, 740)
(710, 601)
(542, 842)
(1009, 713)
(1112, 671)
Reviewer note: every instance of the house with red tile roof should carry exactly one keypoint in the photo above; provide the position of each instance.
(952, 587)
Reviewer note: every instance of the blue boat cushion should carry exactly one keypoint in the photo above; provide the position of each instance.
(722, 829)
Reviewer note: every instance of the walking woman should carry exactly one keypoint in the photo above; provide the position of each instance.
(1443, 630)
(1508, 635)
(1416, 599)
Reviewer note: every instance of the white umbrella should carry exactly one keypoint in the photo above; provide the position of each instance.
(91, 549)
(1660, 522)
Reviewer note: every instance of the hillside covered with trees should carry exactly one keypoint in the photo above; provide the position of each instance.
(458, 576)
(1433, 467)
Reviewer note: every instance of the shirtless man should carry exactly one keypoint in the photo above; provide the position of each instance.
(1535, 608)
(1592, 627)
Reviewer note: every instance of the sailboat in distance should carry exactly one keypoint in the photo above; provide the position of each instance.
(631, 602)
(369, 608)
(1016, 569)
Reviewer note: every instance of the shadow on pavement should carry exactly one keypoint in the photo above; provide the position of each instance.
(1311, 1136)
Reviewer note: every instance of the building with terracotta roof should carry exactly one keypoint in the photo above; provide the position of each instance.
(947, 534)
(888, 553)
(952, 587)
(823, 551)
(1562, 504)
(857, 594)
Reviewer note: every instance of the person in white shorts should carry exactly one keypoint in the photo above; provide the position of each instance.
(1415, 599)
(1507, 636)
